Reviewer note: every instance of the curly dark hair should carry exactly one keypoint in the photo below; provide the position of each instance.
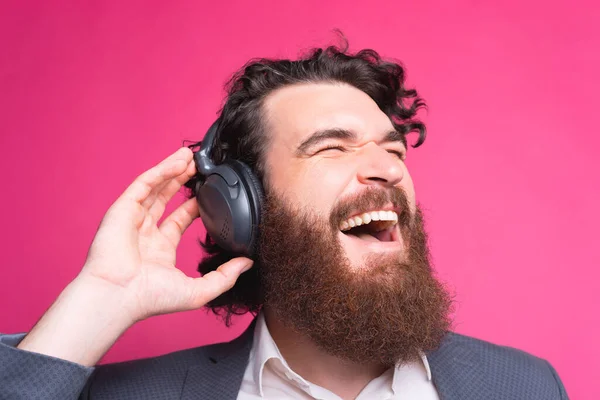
(242, 133)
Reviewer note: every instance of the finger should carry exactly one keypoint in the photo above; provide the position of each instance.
(179, 220)
(165, 193)
(217, 282)
(172, 166)
(158, 191)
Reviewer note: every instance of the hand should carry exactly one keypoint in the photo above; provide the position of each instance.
(133, 254)
(130, 271)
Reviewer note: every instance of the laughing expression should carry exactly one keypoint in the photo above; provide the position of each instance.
(330, 142)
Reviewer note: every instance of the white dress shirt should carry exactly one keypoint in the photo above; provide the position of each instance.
(268, 376)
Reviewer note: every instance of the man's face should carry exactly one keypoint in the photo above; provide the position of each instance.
(365, 293)
(314, 175)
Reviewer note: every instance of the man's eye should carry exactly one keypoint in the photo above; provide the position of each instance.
(332, 147)
(400, 154)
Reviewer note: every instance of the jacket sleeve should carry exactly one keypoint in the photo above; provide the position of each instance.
(32, 376)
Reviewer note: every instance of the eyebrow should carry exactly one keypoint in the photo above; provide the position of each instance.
(343, 134)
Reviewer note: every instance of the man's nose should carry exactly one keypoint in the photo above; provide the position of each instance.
(379, 167)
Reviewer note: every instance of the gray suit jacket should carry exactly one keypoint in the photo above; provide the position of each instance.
(462, 368)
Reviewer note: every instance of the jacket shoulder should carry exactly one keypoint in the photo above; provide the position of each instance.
(160, 377)
(148, 378)
(507, 369)
(495, 353)
(167, 376)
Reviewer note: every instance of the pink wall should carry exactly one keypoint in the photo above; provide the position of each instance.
(92, 94)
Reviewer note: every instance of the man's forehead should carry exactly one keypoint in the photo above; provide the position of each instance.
(296, 112)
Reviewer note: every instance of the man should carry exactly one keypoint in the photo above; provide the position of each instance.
(347, 305)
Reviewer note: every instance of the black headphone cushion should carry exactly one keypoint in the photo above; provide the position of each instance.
(254, 188)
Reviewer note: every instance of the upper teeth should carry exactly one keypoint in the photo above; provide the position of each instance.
(367, 217)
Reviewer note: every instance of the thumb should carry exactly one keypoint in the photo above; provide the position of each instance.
(217, 282)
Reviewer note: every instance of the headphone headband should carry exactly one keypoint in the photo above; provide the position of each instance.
(204, 164)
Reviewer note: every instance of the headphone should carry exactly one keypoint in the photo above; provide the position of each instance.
(230, 199)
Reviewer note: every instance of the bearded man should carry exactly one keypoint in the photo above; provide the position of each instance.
(347, 305)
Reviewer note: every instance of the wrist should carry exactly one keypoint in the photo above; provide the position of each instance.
(111, 302)
(82, 324)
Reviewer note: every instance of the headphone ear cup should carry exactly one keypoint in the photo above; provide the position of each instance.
(255, 197)
(231, 213)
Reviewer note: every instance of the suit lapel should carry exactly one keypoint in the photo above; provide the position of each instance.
(220, 370)
(454, 370)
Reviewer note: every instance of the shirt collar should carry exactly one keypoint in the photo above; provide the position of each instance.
(265, 348)
(426, 365)
(410, 372)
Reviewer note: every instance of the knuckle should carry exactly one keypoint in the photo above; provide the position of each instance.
(177, 222)
(230, 283)
(226, 280)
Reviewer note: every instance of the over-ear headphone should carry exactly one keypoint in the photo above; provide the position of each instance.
(230, 199)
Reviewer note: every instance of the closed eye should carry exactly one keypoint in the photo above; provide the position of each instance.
(399, 154)
(331, 147)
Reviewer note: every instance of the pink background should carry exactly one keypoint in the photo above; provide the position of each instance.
(94, 93)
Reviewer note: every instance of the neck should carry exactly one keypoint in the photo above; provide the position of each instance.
(342, 377)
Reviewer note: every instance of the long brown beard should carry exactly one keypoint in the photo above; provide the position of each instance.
(387, 311)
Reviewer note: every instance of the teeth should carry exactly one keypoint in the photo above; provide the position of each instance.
(366, 218)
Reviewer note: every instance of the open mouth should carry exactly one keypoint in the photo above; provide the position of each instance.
(373, 226)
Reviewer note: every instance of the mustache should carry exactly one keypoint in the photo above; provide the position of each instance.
(371, 199)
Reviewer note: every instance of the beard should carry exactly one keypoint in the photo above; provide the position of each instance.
(387, 310)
